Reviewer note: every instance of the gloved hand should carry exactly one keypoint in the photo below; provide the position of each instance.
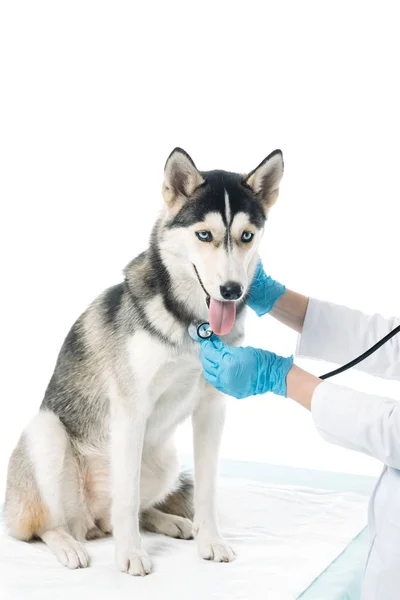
(242, 372)
(264, 292)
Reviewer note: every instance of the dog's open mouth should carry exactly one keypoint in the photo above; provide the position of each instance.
(221, 314)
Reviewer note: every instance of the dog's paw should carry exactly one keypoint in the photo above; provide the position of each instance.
(179, 527)
(73, 554)
(134, 562)
(215, 549)
(95, 533)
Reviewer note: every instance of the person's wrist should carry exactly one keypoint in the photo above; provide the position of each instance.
(272, 372)
(270, 291)
(301, 386)
(283, 366)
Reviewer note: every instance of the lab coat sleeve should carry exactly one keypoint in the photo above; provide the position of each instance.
(358, 421)
(339, 334)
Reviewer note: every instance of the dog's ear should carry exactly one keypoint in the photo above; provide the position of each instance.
(181, 178)
(265, 179)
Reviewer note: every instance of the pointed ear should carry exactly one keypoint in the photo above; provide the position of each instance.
(181, 177)
(265, 179)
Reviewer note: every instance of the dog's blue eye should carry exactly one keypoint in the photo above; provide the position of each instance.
(204, 236)
(247, 236)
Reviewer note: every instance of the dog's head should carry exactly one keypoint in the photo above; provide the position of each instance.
(214, 223)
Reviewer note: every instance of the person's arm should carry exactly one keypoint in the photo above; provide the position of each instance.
(269, 296)
(328, 331)
(366, 423)
(301, 386)
(346, 417)
(339, 334)
(290, 309)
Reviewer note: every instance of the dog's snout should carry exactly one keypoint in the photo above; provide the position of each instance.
(231, 290)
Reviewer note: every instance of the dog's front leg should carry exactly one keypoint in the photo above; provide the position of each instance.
(128, 422)
(208, 423)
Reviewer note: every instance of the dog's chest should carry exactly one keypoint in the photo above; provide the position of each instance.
(170, 378)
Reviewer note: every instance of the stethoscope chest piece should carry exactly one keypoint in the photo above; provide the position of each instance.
(201, 331)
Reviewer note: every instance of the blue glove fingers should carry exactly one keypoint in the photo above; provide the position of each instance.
(264, 291)
(211, 378)
(211, 343)
(210, 359)
(212, 350)
(216, 343)
(259, 274)
(211, 354)
(210, 369)
(243, 372)
(209, 365)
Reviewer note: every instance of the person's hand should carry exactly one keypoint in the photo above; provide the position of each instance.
(264, 292)
(242, 372)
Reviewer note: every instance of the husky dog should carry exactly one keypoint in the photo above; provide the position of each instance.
(99, 456)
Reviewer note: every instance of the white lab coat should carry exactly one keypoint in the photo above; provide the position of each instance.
(362, 422)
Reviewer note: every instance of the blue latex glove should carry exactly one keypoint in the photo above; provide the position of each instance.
(242, 372)
(264, 292)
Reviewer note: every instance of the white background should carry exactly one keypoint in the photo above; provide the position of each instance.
(94, 96)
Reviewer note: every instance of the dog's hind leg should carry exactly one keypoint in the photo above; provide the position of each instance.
(171, 525)
(42, 497)
(173, 514)
(180, 501)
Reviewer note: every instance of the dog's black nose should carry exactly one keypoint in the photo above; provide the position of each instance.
(231, 290)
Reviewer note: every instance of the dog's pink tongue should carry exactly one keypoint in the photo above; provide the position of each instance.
(221, 316)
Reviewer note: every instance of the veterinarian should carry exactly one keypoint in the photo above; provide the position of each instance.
(352, 419)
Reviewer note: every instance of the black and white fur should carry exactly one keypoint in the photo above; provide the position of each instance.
(99, 456)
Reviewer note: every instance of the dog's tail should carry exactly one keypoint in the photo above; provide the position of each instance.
(180, 501)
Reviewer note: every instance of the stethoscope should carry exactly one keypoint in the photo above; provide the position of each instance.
(202, 331)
